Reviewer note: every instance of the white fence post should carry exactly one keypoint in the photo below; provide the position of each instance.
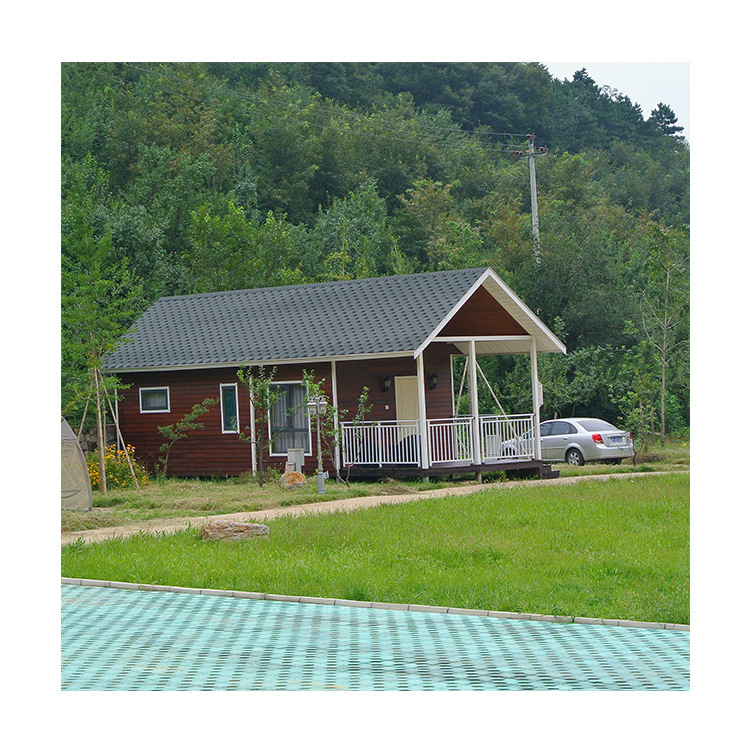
(423, 436)
(475, 433)
(535, 401)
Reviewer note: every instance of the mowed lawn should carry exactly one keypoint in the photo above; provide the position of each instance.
(616, 549)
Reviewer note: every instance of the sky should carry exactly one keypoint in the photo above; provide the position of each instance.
(645, 83)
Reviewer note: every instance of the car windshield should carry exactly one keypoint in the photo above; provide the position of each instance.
(593, 425)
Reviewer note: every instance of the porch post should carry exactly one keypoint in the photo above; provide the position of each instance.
(423, 440)
(535, 401)
(474, 393)
(253, 446)
(335, 398)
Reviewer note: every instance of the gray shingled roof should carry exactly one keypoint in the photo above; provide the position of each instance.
(326, 320)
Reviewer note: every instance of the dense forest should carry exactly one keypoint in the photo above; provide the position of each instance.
(197, 177)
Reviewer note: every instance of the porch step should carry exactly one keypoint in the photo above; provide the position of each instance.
(547, 472)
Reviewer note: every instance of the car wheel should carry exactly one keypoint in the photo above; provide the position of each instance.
(574, 457)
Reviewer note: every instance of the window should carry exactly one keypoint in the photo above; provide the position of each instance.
(563, 428)
(154, 399)
(230, 415)
(594, 425)
(288, 423)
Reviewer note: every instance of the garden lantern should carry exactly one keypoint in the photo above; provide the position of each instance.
(318, 406)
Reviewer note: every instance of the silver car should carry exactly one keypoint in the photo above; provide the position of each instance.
(575, 441)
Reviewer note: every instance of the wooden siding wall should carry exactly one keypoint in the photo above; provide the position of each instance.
(482, 315)
(205, 452)
(351, 376)
(208, 452)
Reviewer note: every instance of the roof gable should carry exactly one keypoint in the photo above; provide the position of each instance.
(482, 315)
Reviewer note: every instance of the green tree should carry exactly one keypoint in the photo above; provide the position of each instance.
(433, 232)
(99, 302)
(219, 256)
(330, 423)
(228, 251)
(100, 296)
(664, 305)
(354, 226)
(180, 429)
(263, 397)
(664, 120)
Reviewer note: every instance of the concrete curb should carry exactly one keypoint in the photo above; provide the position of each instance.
(374, 605)
(170, 526)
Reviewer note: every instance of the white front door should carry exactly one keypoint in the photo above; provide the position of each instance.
(407, 410)
(407, 398)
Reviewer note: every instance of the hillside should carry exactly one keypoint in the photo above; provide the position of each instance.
(192, 177)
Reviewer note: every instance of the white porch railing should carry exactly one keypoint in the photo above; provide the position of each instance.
(507, 437)
(448, 441)
(380, 443)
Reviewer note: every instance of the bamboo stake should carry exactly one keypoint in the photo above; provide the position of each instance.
(122, 439)
(83, 418)
(513, 430)
(492, 393)
(99, 437)
(461, 387)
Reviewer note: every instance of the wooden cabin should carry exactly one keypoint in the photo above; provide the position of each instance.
(396, 335)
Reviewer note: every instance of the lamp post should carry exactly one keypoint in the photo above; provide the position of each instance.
(318, 406)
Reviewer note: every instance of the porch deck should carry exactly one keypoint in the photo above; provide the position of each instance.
(434, 447)
(518, 468)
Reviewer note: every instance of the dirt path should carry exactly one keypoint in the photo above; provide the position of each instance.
(170, 525)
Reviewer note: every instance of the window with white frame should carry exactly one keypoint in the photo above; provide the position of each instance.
(288, 424)
(230, 413)
(154, 399)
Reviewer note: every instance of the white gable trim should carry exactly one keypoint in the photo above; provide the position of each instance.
(452, 312)
(506, 297)
(545, 335)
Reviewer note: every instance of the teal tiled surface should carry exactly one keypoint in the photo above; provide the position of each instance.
(115, 639)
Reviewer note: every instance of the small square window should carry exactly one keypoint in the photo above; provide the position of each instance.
(154, 399)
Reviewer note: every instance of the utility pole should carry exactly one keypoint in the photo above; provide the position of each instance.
(534, 215)
(530, 155)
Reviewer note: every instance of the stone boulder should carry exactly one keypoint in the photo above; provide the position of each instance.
(232, 530)
(293, 480)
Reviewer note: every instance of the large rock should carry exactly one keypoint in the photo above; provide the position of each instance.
(293, 480)
(232, 530)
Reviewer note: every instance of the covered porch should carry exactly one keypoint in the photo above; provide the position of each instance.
(429, 443)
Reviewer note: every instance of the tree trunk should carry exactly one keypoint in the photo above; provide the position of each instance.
(664, 359)
(663, 414)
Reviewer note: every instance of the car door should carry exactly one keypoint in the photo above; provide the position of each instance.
(556, 443)
(544, 430)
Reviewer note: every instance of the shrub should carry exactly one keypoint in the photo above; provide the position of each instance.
(116, 468)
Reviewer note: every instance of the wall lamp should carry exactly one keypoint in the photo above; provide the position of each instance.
(385, 383)
(433, 380)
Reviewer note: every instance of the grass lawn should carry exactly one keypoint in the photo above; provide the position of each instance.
(180, 498)
(617, 549)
